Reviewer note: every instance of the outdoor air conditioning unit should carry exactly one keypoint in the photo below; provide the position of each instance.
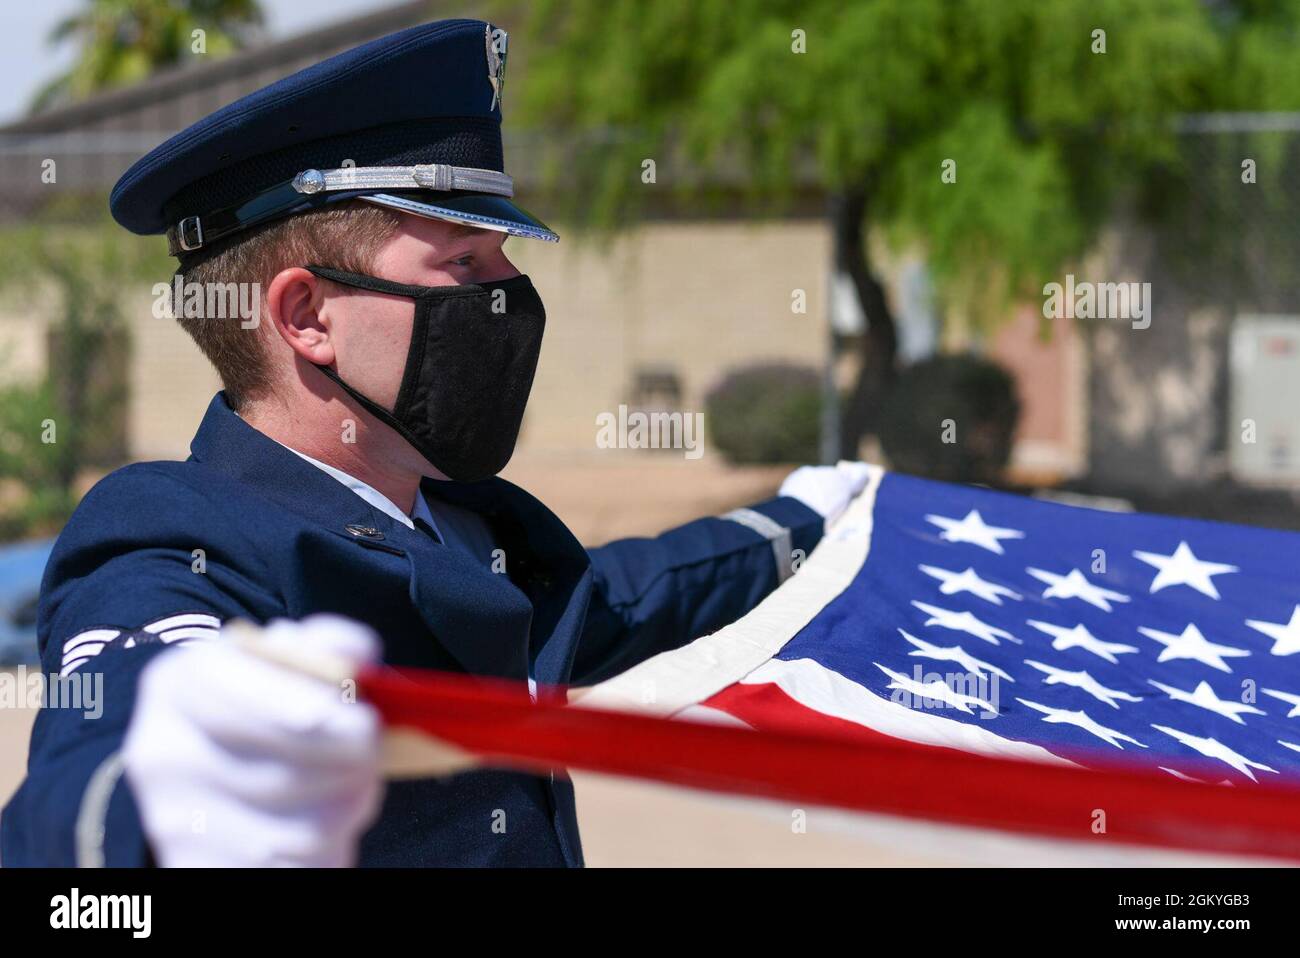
(1263, 439)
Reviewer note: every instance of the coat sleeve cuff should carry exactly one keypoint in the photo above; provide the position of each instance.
(791, 527)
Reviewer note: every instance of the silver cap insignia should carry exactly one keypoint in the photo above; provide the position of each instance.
(497, 40)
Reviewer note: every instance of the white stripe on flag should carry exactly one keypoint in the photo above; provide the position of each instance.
(671, 681)
(710, 716)
(826, 691)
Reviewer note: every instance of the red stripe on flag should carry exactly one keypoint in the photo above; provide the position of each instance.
(854, 769)
(766, 707)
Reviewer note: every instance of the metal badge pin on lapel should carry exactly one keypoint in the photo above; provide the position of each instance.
(363, 532)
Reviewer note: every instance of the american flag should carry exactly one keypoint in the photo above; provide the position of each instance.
(1009, 625)
(969, 657)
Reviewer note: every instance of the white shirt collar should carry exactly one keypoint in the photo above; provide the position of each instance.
(373, 495)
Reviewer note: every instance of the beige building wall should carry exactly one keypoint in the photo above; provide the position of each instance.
(695, 298)
(171, 383)
(22, 341)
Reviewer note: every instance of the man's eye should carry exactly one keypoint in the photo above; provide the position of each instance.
(467, 260)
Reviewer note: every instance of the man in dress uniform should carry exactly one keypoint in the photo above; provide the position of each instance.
(341, 490)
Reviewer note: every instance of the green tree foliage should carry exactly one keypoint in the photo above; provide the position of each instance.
(1045, 130)
(123, 41)
(52, 428)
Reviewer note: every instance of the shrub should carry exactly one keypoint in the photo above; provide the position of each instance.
(766, 413)
(977, 395)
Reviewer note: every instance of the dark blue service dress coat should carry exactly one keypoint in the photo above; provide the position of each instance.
(279, 538)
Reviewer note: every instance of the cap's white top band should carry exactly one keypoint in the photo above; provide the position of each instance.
(431, 176)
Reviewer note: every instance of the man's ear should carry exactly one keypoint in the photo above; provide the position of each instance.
(295, 301)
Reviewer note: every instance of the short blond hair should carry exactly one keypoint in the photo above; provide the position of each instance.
(348, 236)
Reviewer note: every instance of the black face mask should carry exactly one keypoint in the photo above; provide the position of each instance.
(468, 371)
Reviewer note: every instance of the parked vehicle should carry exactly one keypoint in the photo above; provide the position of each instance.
(21, 567)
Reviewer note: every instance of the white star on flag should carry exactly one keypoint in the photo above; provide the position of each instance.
(1084, 682)
(1289, 698)
(964, 622)
(968, 581)
(1192, 645)
(1075, 585)
(1084, 721)
(1204, 697)
(1285, 636)
(1080, 637)
(1183, 568)
(973, 529)
(954, 653)
(1212, 748)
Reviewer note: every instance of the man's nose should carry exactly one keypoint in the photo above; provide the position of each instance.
(495, 268)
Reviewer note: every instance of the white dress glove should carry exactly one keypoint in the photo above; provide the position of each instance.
(236, 761)
(827, 489)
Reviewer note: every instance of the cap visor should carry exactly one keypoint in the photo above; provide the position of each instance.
(471, 209)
